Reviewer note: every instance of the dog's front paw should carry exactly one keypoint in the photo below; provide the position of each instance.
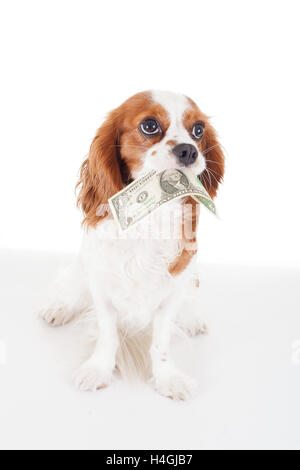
(191, 324)
(56, 314)
(90, 378)
(195, 328)
(175, 385)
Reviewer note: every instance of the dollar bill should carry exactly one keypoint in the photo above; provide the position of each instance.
(151, 191)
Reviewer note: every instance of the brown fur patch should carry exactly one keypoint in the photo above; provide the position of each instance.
(181, 262)
(189, 242)
(154, 152)
(171, 142)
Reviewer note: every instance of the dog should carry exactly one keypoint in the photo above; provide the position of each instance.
(138, 287)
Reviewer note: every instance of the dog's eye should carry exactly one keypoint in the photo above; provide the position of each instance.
(198, 130)
(150, 127)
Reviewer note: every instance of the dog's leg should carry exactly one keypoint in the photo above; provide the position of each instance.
(189, 318)
(69, 296)
(97, 371)
(168, 380)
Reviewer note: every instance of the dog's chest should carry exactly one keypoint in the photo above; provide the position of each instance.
(133, 274)
(140, 278)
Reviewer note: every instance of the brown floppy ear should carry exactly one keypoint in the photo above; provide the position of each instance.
(212, 151)
(100, 174)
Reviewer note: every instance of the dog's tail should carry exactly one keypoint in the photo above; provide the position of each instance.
(133, 355)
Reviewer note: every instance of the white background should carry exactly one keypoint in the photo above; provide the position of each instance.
(247, 369)
(66, 63)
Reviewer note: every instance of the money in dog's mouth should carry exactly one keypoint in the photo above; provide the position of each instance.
(152, 191)
(167, 166)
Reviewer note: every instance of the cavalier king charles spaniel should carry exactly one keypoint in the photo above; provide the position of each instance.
(138, 286)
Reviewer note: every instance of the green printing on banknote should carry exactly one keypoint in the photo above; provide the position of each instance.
(154, 189)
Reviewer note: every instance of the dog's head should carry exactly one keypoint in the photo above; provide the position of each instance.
(150, 131)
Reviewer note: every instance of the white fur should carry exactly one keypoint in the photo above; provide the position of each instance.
(129, 288)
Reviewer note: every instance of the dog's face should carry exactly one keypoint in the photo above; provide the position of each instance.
(167, 133)
(150, 131)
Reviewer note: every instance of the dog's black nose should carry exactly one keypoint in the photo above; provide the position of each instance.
(186, 153)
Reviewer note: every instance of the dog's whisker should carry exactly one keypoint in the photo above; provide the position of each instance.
(210, 148)
(208, 177)
(213, 176)
(203, 180)
(213, 161)
(206, 180)
(216, 172)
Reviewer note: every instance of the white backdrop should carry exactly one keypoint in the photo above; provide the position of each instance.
(66, 63)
